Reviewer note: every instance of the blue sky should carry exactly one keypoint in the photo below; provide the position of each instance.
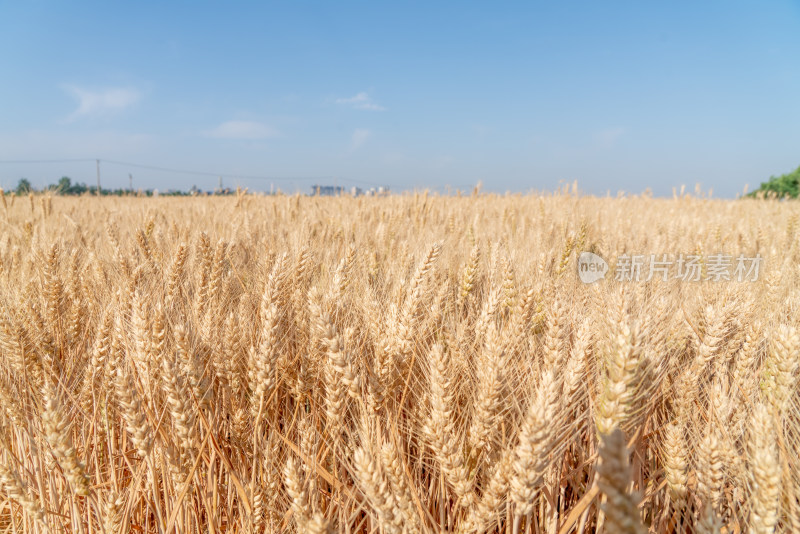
(521, 96)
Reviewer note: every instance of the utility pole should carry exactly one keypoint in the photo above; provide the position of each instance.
(130, 181)
(220, 184)
(98, 177)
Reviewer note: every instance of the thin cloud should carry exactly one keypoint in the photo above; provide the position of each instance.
(99, 102)
(360, 136)
(248, 130)
(361, 101)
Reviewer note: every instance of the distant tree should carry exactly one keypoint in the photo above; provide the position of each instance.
(78, 189)
(785, 184)
(23, 186)
(64, 185)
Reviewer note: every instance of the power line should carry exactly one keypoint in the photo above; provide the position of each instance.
(73, 160)
(244, 176)
(168, 169)
(215, 174)
(202, 173)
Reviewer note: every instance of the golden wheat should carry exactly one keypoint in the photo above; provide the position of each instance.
(403, 364)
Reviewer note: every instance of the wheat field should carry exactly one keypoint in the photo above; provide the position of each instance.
(405, 364)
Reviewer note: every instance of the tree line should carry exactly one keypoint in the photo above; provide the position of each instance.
(65, 186)
(783, 185)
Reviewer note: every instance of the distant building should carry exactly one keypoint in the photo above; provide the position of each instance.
(379, 191)
(333, 190)
(327, 190)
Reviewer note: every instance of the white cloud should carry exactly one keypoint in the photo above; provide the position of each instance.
(91, 103)
(242, 130)
(361, 101)
(360, 136)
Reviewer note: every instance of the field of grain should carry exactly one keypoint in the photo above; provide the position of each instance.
(409, 363)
